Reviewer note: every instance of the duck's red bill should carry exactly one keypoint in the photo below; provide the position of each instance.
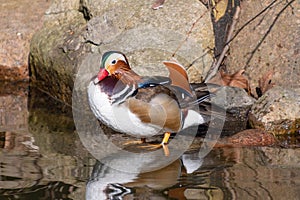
(103, 73)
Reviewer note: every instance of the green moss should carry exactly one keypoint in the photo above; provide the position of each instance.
(285, 127)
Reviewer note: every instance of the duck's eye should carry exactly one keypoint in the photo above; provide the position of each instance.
(113, 62)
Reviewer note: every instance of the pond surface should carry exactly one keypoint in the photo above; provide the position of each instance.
(42, 157)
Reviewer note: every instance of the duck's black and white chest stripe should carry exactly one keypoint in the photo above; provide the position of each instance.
(116, 91)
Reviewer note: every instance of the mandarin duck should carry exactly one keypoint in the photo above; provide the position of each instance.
(143, 106)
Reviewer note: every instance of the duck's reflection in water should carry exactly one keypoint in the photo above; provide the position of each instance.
(109, 183)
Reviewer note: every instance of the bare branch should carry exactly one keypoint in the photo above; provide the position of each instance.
(215, 67)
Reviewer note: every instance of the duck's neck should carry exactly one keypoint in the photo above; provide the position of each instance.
(128, 77)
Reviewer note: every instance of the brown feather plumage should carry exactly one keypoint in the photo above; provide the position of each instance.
(157, 106)
(178, 75)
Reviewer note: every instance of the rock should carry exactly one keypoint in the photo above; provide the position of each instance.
(19, 21)
(55, 50)
(77, 33)
(277, 111)
(289, 141)
(250, 137)
(237, 104)
(268, 42)
(233, 97)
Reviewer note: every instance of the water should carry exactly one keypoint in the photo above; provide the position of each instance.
(42, 157)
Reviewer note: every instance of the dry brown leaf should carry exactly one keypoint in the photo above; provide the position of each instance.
(234, 80)
(219, 8)
(158, 4)
(265, 82)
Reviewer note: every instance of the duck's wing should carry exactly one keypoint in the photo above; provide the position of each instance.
(178, 76)
(151, 81)
(156, 104)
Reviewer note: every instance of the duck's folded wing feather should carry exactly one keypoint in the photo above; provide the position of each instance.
(148, 81)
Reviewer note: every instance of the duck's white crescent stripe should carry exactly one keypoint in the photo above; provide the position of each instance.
(117, 95)
(120, 98)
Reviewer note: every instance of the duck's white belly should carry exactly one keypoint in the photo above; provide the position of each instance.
(118, 116)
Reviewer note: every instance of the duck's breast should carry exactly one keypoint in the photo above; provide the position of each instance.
(117, 116)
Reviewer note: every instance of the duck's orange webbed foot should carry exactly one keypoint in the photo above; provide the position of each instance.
(148, 146)
(163, 144)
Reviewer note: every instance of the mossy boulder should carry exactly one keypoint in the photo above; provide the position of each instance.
(77, 32)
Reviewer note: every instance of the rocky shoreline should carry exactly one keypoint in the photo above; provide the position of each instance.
(75, 34)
